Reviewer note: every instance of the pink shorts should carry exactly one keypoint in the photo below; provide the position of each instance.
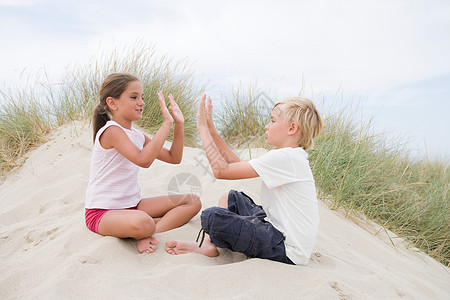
(93, 217)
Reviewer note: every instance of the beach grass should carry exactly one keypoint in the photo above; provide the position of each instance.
(242, 116)
(28, 114)
(24, 123)
(368, 174)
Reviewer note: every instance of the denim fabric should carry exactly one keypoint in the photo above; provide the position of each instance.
(242, 228)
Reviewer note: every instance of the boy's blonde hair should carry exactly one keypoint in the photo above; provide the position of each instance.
(303, 112)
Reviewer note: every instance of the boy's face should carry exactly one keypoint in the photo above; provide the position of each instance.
(277, 129)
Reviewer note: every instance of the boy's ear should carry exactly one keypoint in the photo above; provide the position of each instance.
(293, 128)
(111, 102)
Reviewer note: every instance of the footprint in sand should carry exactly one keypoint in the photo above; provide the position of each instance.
(341, 293)
(37, 237)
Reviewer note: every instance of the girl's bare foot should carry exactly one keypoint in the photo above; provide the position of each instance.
(182, 247)
(147, 245)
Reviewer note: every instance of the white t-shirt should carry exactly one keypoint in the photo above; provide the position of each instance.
(113, 178)
(288, 196)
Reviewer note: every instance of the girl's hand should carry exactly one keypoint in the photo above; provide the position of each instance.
(165, 112)
(201, 114)
(208, 109)
(175, 111)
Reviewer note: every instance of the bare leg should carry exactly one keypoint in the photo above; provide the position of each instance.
(182, 247)
(207, 248)
(171, 211)
(130, 223)
(223, 201)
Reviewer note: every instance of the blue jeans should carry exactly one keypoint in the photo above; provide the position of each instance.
(242, 228)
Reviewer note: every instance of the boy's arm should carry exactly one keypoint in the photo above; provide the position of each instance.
(220, 167)
(224, 149)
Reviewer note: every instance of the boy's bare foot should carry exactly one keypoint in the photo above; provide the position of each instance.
(147, 245)
(182, 247)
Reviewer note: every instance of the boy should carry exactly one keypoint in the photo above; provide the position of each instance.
(285, 227)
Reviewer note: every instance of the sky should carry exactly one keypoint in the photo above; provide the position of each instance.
(390, 58)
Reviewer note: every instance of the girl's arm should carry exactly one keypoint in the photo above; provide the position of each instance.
(224, 149)
(220, 167)
(115, 137)
(175, 154)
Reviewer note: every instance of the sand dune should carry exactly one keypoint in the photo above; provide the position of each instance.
(46, 252)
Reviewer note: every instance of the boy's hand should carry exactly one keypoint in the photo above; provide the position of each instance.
(201, 114)
(175, 111)
(164, 111)
(208, 109)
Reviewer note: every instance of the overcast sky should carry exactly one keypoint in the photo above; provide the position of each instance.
(390, 56)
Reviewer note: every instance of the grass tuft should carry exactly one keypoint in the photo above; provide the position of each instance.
(361, 173)
(243, 115)
(24, 123)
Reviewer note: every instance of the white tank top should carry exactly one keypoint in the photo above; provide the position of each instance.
(113, 178)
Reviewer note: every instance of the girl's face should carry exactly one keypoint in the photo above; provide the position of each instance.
(130, 105)
(277, 129)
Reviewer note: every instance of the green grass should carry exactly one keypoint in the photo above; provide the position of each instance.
(243, 116)
(354, 169)
(24, 123)
(364, 173)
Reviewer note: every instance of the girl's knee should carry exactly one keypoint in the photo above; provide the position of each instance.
(192, 201)
(143, 225)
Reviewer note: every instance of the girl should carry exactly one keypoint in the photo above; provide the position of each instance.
(113, 202)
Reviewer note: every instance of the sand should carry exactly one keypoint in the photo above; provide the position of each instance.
(46, 251)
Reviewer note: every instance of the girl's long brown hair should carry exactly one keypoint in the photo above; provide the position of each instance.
(113, 86)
